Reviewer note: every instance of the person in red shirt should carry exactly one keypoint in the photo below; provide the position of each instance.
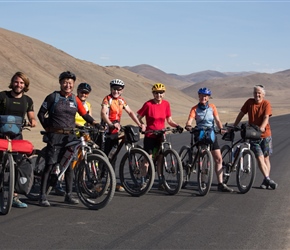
(156, 111)
(259, 111)
(111, 113)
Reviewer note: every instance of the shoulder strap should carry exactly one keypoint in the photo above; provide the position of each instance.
(56, 99)
(7, 104)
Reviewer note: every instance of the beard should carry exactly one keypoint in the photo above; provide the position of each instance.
(17, 90)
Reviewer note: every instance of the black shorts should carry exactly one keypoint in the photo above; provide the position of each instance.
(151, 143)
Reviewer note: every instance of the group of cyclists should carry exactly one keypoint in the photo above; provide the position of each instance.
(62, 109)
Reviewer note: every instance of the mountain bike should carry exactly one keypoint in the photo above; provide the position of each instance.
(172, 171)
(238, 158)
(132, 162)
(197, 158)
(95, 180)
(10, 150)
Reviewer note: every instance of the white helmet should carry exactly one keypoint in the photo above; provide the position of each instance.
(117, 82)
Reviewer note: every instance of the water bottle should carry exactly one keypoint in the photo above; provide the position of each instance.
(112, 152)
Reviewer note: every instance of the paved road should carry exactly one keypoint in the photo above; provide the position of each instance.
(256, 220)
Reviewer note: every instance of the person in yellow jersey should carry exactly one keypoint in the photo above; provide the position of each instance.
(83, 92)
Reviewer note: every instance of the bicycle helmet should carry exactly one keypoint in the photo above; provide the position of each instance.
(67, 74)
(158, 87)
(117, 82)
(84, 87)
(204, 91)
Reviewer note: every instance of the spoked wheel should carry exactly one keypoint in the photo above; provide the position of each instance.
(95, 182)
(246, 171)
(226, 156)
(205, 172)
(6, 183)
(133, 166)
(172, 171)
(185, 155)
(38, 161)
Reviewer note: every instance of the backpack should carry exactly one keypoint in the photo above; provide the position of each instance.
(56, 99)
(6, 103)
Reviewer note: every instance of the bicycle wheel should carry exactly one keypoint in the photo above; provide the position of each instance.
(7, 179)
(184, 154)
(226, 155)
(205, 172)
(95, 182)
(246, 171)
(99, 152)
(131, 168)
(38, 161)
(172, 171)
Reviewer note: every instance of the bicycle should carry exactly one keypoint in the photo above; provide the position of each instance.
(238, 157)
(9, 151)
(95, 180)
(197, 158)
(132, 162)
(172, 171)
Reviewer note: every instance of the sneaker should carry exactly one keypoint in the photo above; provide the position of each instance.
(70, 200)
(265, 184)
(59, 191)
(272, 184)
(18, 203)
(224, 188)
(161, 187)
(43, 202)
(119, 188)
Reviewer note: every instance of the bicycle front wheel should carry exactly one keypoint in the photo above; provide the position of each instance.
(226, 156)
(6, 183)
(95, 182)
(172, 171)
(136, 178)
(205, 172)
(246, 171)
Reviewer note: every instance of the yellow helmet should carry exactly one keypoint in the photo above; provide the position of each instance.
(158, 87)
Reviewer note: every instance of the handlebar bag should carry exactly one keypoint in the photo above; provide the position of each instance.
(250, 132)
(132, 133)
(10, 124)
(20, 146)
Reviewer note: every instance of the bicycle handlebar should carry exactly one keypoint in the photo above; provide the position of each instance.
(163, 131)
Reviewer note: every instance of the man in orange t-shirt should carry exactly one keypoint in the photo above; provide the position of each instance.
(259, 111)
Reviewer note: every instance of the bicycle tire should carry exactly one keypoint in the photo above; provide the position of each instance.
(99, 152)
(226, 156)
(130, 174)
(95, 189)
(205, 172)
(38, 166)
(184, 154)
(172, 171)
(246, 171)
(7, 181)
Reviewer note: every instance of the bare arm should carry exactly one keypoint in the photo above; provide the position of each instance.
(171, 122)
(239, 118)
(31, 118)
(135, 118)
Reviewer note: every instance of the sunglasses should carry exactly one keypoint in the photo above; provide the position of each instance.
(117, 89)
(158, 92)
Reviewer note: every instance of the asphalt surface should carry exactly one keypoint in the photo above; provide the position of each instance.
(256, 220)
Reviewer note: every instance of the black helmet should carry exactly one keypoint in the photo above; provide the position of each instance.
(84, 87)
(67, 74)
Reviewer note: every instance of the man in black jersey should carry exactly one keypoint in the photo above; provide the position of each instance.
(57, 116)
(15, 102)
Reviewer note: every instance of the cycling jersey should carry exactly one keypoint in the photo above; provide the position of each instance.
(115, 108)
(204, 115)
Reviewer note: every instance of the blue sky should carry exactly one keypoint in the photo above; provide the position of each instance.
(181, 37)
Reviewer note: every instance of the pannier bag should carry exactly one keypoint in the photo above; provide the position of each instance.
(250, 132)
(132, 133)
(206, 136)
(10, 124)
(24, 176)
(20, 146)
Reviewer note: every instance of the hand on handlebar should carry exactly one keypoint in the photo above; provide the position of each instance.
(179, 129)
